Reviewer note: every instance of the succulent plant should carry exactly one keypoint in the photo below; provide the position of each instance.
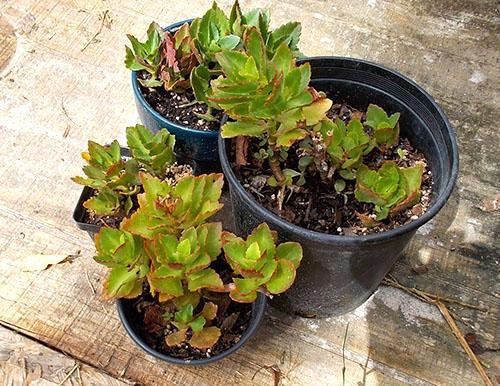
(164, 208)
(146, 56)
(390, 188)
(123, 253)
(212, 33)
(261, 264)
(181, 264)
(345, 146)
(186, 319)
(267, 97)
(385, 128)
(114, 179)
(154, 152)
(288, 33)
(178, 58)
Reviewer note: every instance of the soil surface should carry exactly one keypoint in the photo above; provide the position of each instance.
(232, 318)
(316, 205)
(177, 107)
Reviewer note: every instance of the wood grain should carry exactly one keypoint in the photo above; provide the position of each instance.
(50, 88)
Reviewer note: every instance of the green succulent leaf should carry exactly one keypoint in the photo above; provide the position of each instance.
(282, 278)
(155, 152)
(206, 278)
(105, 203)
(260, 263)
(386, 128)
(291, 251)
(145, 55)
(390, 188)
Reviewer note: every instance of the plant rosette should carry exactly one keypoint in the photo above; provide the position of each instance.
(173, 67)
(111, 182)
(189, 292)
(351, 186)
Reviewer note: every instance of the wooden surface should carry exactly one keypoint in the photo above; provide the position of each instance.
(56, 91)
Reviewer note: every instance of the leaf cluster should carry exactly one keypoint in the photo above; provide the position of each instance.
(114, 178)
(390, 188)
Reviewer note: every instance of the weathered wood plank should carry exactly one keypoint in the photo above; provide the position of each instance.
(50, 85)
(27, 362)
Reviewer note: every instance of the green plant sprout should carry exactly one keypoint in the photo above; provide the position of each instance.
(390, 188)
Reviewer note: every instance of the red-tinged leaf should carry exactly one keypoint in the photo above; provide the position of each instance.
(176, 338)
(282, 278)
(209, 311)
(205, 338)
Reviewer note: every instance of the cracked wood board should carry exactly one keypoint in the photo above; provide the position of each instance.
(52, 101)
(24, 361)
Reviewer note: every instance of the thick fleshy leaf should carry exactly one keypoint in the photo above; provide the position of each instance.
(291, 251)
(206, 278)
(167, 285)
(105, 203)
(209, 311)
(176, 338)
(241, 298)
(245, 128)
(120, 281)
(205, 338)
(197, 324)
(282, 278)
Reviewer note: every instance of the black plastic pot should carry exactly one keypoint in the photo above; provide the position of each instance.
(191, 143)
(128, 316)
(338, 273)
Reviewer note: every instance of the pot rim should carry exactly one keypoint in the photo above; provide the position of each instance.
(329, 238)
(258, 311)
(164, 121)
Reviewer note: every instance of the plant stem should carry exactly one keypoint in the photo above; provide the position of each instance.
(274, 164)
(241, 151)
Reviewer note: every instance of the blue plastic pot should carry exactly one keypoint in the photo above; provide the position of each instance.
(190, 142)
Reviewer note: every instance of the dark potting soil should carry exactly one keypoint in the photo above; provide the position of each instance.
(317, 206)
(232, 318)
(178, 107)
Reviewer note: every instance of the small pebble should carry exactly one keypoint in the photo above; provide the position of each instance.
(414, 217)
(339, 229)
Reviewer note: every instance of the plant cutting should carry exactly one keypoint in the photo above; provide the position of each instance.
(194, 293)
(352, 185)
(112, 175)
(172, 70)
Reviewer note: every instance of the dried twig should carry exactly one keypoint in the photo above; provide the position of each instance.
(343, 354)
(69, 374)
(456, 331)
(390, 281)
(105, 20)
(63, 108)
(80, 381)
(90, 283)
(438, 302)
(274, 370)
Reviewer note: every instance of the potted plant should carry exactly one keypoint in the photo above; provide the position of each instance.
(351, 185)
(172, 69)
(188, 292)
(112, 180)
